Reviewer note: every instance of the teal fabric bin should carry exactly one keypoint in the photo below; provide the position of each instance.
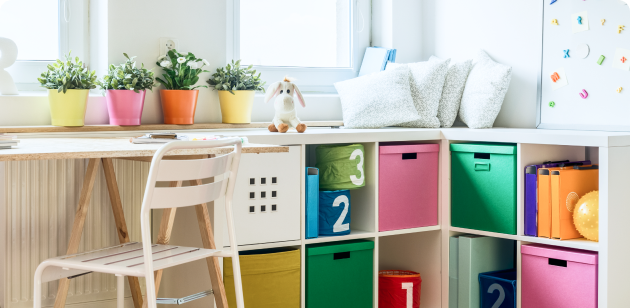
(483, 186)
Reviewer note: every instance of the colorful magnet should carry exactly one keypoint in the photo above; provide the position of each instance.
(601, 59)
(554, 22)
(584, 94)
(619, 89)
(603, 21)
(620, 28)
(552, 104)
(553, 1)
(580, 20)
(555, 77)
(566, 53)
(623, 59)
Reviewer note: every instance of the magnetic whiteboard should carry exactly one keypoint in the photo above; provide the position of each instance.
(604, 108)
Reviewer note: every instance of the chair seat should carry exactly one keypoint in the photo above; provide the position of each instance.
(125, 259)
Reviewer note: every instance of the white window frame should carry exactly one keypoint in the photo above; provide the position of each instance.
(73, 36)
(311, 79)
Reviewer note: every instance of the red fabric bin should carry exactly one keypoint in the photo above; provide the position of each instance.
(399, 289)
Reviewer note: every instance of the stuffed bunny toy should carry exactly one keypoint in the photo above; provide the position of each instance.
(285, 117)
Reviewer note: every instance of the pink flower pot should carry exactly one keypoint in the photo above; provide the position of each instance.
(125, 106)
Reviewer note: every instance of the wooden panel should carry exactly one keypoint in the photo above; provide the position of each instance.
(149, 127)
(41, 199)
(168, 197)
(184, 170)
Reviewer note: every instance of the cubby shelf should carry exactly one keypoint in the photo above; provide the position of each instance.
(576, 243)
(407, 231)
(354, 234)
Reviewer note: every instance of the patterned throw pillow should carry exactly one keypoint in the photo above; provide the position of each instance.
(377, 100)
(452, 92)
(427, 81)
(485, 91)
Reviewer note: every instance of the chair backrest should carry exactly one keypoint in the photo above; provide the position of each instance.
(221, 168)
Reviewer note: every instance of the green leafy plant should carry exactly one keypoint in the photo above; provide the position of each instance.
(68, 75)
(127, 77)
(182, 71)
(233, 78)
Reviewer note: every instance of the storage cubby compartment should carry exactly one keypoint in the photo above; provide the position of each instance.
(360, 168)
(340, 274)
(267, 196)
(556, 277)
(271, 278)
(483, 186)
(417, 252)
(408, 185)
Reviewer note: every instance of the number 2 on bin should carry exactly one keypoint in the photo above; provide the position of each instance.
(409, 287)
(495, 287)
(339, 226)
(353, 178)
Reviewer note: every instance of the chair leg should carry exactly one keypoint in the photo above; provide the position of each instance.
(120, 290)
(37, 292)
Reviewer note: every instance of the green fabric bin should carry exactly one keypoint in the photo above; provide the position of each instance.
(340, 166)
(340, 275)
(483, 186)
(271, 278)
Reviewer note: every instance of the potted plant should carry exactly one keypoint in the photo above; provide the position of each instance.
(179, 99)
(236, 88)
(125, 87)
(68, 85)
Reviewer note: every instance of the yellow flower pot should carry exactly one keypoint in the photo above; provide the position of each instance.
(68, 109)
(236, 108)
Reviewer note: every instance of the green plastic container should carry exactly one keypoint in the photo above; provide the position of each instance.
(483, 186)
(340, 166)
(340, 275)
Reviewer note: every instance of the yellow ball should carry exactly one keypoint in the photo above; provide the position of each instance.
(586, 216)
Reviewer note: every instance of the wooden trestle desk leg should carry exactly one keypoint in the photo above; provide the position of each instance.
(77, 227)
(121, 224)
(207, 237)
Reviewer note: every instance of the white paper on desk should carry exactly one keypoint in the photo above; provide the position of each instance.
(576, 25)
(621, 53)
(563, 81)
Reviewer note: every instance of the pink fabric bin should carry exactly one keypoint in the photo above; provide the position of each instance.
(555, 277)
(408, 186)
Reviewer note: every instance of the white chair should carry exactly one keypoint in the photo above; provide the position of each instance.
(142, 259)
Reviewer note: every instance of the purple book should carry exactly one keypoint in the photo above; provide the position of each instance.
(531, 191)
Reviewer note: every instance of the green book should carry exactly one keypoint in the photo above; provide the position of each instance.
(480, 254)
(453, 254)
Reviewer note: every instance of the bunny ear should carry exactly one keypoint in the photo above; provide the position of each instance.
(299, 95)
(272, 91)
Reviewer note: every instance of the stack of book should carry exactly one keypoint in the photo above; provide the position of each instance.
(8, 141)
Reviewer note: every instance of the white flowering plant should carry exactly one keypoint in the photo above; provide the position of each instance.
(181, 70)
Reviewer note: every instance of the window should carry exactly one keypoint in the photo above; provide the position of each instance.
(43, 30)
(319, 42)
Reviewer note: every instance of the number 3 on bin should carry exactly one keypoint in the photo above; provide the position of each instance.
(494, 287)
(353, 178)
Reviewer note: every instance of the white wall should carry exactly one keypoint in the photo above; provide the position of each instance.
(509, 30)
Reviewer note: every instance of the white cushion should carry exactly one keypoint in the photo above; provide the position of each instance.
(485, 91)
(452, 92)
(427, 81)
(377, 100)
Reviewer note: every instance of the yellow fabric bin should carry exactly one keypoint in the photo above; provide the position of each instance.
(271, 279)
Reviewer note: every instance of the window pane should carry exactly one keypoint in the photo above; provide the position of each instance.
(33, 25)
(305, 33)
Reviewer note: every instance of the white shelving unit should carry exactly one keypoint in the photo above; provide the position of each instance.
(426, 249)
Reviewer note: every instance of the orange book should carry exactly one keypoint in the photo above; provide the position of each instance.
(567, 187)
(544, 203)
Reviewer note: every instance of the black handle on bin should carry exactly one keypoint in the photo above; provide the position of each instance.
(586, 168)
(406, 156)
(341, 255)
(557, 262)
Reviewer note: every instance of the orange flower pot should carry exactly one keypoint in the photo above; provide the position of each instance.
(179, 106)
